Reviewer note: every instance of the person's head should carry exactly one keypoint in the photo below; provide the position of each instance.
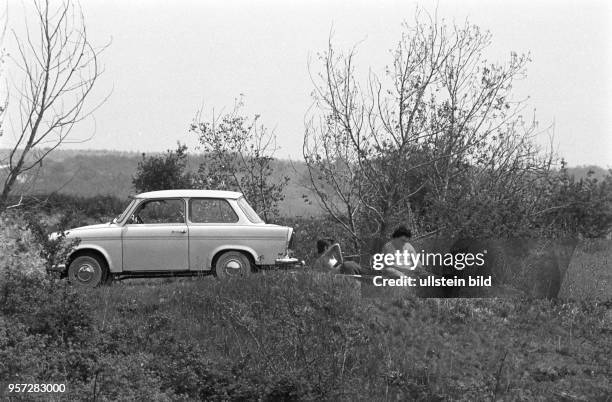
(324, 244)
(402, 233)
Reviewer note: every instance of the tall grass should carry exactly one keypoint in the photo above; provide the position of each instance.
(297, 337)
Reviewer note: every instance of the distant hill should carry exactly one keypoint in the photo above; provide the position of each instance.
(92, 172)
(580, 172)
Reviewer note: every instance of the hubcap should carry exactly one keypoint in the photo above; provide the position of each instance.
(85, 273)
(233, 267)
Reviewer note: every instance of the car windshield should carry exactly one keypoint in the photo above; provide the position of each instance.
(121, 216)
(248, 211)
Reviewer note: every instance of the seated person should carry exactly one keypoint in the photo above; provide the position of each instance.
(399, 242)
(330, 260)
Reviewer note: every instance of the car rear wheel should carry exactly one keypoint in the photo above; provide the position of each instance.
(232, 264)
(87, 270)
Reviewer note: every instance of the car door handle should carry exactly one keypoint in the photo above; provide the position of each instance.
(179, 231)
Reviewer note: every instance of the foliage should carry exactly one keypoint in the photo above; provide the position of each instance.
(238, 156)
(163, 172)
(439, 143)
(18, 249)
(581, 206)
(54, 247)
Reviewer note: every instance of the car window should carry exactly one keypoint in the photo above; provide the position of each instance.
(211, 210)
(160, 211)
(121, 216)
(248, 211)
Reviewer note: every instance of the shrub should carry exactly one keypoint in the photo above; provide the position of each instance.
(163, 172)
(53, 249)
(18, 249)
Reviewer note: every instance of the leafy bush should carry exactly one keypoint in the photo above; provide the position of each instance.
(18, 249)
(584, 205)
(46, 330)
(163, 172)
(53, 249)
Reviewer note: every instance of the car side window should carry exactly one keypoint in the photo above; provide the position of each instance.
(159, 211)
(211, 210)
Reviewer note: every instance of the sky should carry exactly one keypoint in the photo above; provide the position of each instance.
(169, 59)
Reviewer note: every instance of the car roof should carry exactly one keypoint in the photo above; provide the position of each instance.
(190, 194)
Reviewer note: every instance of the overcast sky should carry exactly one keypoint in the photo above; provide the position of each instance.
(168, 59)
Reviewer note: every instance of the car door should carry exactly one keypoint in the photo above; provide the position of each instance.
(156, 237)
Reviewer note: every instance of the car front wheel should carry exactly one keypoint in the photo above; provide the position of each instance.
(232, 264)
(87, 271)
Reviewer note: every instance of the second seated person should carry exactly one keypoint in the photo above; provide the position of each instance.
(400, 242)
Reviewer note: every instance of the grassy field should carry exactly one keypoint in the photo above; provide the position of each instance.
(589, 276)
(301, 336)
(324, 340)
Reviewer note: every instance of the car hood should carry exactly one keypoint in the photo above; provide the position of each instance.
(83, 231)
(93, 227)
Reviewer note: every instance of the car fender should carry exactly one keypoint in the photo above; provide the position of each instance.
(230, 247)
(101, 250)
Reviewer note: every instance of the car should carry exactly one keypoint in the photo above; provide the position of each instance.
(178, 233)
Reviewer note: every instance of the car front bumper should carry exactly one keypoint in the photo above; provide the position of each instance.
(57, 268)
(60, 268)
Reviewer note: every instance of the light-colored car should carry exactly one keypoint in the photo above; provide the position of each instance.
(178, 233)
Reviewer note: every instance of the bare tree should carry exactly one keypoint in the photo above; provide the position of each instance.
(3, 98)
(440, 128)
(59, 66)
